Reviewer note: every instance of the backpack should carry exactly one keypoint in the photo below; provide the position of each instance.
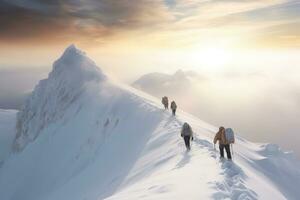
(164, 100)
(173, 105)
(186, 130)
(229, 135)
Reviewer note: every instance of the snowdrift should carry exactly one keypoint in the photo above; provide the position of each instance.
(81, 136)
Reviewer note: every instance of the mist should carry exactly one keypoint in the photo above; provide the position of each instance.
(17, 83)
(262, 105)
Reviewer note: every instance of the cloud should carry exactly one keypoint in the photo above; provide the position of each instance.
(167, 21)
(19, 22)
(263, 23)
(63, 19)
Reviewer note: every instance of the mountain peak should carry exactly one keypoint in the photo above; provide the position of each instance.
(74, 61)
(179, 74)
(71, 46)
(72, 49)
(52, 96)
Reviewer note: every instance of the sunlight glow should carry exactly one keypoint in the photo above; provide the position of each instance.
(213, 58)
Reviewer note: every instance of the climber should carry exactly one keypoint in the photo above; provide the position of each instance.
(173, 107)
(187, 134)
(223, 143)
(165, 102)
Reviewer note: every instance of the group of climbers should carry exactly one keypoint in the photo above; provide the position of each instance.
(225, 137)
(165, 102)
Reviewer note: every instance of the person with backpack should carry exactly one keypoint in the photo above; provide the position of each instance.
(224, 143)
(187, 134)
(165, 102)
(173, 107)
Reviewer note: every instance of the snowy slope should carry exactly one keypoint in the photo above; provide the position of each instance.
(83, 137)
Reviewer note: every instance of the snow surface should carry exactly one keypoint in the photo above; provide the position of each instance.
(7, 132)
(81, 136)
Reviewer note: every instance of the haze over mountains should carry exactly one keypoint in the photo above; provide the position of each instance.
(159, 84)
(255, 104)
(16, 84)
(234, 98)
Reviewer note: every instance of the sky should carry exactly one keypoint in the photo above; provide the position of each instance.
(249, 47)
(144, 35)
(120, 26)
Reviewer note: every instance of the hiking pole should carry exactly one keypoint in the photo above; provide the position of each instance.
(232, 150)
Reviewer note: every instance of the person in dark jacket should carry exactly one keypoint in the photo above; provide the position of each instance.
(165, 102)
(223, 144)
(187, 134)
(173, 107)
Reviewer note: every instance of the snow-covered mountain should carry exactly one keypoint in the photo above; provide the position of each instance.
(81, 136)
(52, 97)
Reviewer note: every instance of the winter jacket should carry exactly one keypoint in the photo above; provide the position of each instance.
(220, 136)
(173, 105)
(165, 100)
(186, 130)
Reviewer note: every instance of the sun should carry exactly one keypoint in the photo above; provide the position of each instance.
(213, 58)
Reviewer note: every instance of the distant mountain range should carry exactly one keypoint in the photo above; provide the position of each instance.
(160, 84)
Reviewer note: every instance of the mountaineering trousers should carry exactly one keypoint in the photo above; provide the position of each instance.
(174, 111)
(187, 142)
(227, 148)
